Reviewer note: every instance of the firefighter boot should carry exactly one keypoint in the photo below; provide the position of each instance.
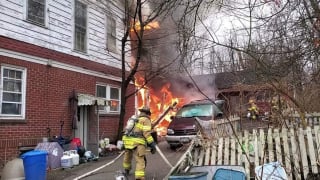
(126, 172)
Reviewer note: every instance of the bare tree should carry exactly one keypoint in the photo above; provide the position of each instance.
(139, 16)
(278, 40)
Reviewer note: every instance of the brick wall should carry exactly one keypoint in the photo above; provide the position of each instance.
(47, 99)
(22, 47)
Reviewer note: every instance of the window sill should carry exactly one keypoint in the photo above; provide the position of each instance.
(36, 24)
(113, 51)
(80, 52)
(12, 120)
(109, 114)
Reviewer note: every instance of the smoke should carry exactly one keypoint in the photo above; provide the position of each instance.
(201, 87)
(146, 9)
(161, 50)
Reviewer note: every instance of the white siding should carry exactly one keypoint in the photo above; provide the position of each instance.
(58, 33)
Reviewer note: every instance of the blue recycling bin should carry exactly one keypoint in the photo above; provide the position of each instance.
(190, 175)
(35, 164)
(229, 174)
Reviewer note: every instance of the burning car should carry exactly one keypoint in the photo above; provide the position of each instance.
(182, 128)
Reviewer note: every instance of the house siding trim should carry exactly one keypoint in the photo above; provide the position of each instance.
(52, 63)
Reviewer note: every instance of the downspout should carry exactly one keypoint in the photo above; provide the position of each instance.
(98, 124)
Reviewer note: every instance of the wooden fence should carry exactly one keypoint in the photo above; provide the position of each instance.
(294, 120)
(222, 127)
(296, 149)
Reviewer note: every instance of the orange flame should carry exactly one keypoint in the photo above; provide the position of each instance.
(158, 101)
(149, 26)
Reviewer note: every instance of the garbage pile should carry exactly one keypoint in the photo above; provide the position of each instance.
(106, 149)
(76, 155)
(54, 155)
(67, 155)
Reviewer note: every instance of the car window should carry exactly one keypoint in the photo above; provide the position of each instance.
(195, 110)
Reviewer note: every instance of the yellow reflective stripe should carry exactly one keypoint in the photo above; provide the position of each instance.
(124, 138)
(143, 128)
(139, 174)
(146, 128)
(138, 125)
(126, 165)
(130, 142)
(150, 139)
(140, 141)
(129, 146)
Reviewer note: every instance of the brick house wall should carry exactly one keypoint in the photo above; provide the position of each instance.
(48, 90)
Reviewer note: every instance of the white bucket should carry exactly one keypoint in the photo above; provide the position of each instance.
(75, 157)
(102, 143)
(106, 142)
(66, 160)
(120, 144)
(44, 139)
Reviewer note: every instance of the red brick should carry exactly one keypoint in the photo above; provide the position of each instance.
(47, 98)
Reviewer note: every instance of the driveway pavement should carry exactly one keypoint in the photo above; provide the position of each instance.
(108, 166)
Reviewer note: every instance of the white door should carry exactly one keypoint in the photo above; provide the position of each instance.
(82, 130)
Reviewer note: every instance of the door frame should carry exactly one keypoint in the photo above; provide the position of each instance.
(82, 130)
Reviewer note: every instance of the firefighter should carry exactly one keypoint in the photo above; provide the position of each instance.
(278, 109)
(278, 104)
(253, 110)
(274, 104)
(136, 142)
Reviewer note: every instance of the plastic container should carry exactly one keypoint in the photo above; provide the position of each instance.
(77, 141)
(66, 160)
(217, 171)
(75, 157)
(35, 164)
(229, 174)
(120, 144)
(102, 144)
(106, 142)
(13, 170)
(190, 175)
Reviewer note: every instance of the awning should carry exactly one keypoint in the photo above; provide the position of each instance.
(88, 100)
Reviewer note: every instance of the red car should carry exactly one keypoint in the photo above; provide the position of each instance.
(182, 128)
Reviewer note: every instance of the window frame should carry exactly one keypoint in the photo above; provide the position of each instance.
(85, 48)
(111, 46)
(23, 92)
(45, 16)
(106, 109)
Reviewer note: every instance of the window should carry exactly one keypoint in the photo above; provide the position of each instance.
(112, 94)
(111, 34)
(80, 27)
(36, 11)
(13, 92)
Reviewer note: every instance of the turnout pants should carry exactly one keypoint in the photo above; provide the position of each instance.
(139, 153)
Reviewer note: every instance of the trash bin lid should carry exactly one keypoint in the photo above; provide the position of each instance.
(229, 174)
(34, 153)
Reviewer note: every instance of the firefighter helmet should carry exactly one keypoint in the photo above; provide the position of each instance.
(145, 110)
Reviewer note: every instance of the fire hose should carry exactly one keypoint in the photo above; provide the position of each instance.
(155, 124)
(163, 157)
(91, 172)
(157, 148)
(115, 159)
